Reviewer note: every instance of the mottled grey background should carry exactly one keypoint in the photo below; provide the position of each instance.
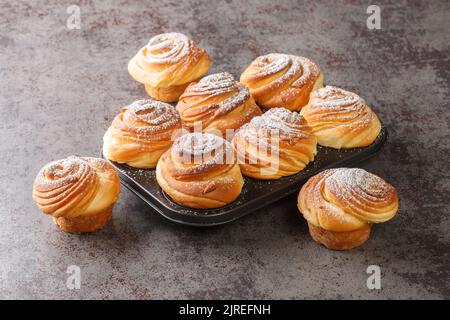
(60, 88)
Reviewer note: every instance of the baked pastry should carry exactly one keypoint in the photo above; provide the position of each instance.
(167, 64)
(278, 143)
(200, 171)
(217, 104)
(341, 119)
(281, 80)
(340, 206)
(141, 132)
(79, 192)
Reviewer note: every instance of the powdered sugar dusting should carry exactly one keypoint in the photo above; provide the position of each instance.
(168, 48)
(298, 70)
(148, 117)
(152, 112)
(63, 173)
(344, 194)
(197, 144)
(273, 63)
(310, 70)
(289, 123)
(332, 98)
(203, 149)
(215, 85)
(216, 82)
(332, 105)
(276, 125)
(345, 182)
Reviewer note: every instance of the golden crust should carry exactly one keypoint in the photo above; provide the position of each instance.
(79, 192)
(341, 203)
(141, 133)
(167, 64)
(200, 171)
(280, 80)
(83, 224)
(278, 143)
(341, 119)
(169, 94)
(340, 240)
(217, 104)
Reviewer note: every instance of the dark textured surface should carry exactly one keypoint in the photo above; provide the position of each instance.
(60, 88)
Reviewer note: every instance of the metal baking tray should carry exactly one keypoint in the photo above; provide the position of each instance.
(255, 193)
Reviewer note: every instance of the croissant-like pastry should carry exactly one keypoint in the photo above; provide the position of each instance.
(167, 64)
(340, 206)
(78, 192)
(141, 133)
(278, 143)
(200, 171)
(217, 104)
(280, 80)
(341, 119)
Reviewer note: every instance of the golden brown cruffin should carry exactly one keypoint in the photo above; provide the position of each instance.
(141, 133)
(340, 206)
(79, 192)
(278, 143)
(167, 64)
(280, 80)
(217, 104)
(200, 171)
(341, 119)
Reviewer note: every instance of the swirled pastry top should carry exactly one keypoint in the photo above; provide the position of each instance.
(287, 125)
(346, 199)
(141, 133)
(216, 96)
(341, 118)
(278, 143)
(194, 155)
(168, 59)
(148, 119)
(200, 171)
(76, 186)
(275, 79)
(338, 106)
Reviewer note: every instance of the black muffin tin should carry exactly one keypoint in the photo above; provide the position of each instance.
(255, 193)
